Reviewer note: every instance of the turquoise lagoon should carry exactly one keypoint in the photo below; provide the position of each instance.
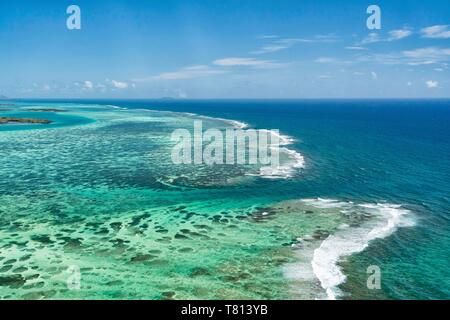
(97, 190)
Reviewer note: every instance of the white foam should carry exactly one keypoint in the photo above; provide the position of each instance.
(283, 171)
(236, 124)
(387, 218)
(326, 203)
(283, 139)
(289, 167)
(117, 107)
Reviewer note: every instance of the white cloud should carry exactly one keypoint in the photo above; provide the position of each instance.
(269, 49)
(432, 84)
(286, 43)
(399, 34)
(101, 87)
(325, 76)
(355, 48)
(416, 57)
(332, 60)
(326, 38)
(374, 75)
(184, 73)
(221, 67)
(247, 62)
(119, 84)
(88, 85)
(428, 55)
(326, 60)
(371, 38)
(269, 36)
(436, 32)
(393, 35)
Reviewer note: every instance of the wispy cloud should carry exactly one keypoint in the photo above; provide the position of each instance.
(88, 85)
(246, 62)
(278, 45)
(320, 38)
(119, 84)
(432, 84)
(219, 66)
(355, 48)
(371, 38)
(326, 60)
(428, 55)
(332, 60)
(399, 34)
(286, 43)
(268, 36)
(190, 72)
(416, 57)
(374, 75)
(270, 48)
(436, 32)
(393, 35)
(325, 76)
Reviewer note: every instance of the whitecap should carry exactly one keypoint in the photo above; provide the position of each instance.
(345, 242)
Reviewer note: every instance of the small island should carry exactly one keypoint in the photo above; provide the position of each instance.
(8, 120)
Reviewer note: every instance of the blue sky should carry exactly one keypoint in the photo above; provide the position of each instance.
(225, 49)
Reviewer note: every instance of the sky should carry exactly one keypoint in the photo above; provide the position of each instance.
(201, 49)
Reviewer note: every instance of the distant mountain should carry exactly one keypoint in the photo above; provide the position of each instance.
(2, 97)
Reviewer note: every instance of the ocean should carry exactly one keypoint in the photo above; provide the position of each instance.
(93, 197)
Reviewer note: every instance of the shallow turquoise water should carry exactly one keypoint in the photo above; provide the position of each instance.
(99, 192)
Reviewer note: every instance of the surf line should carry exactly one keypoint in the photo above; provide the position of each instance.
(193, 310)
(235, 146)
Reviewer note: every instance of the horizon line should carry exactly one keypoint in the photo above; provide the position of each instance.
(197, 99)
